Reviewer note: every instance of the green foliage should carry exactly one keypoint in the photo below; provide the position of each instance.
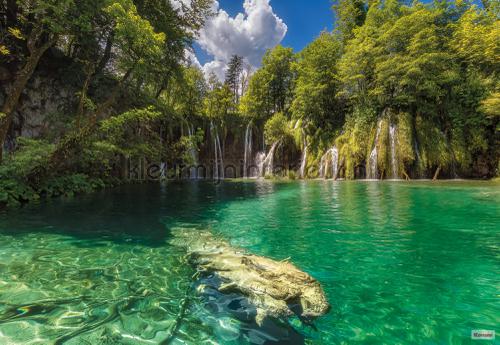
(349, 14)
(218, 102)
(277, 128)
(491, 105)
(141, 46)
(15, 189)
(405, 141)
(70, 185)
(433, 145)
(270, 89)
(133, 133)
(233, 76)
(316, 84)
(29, 152)
(292, 175)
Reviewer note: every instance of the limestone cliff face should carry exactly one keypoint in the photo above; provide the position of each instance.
(49, 95)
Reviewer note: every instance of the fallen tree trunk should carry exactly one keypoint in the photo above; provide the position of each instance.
(277, 289)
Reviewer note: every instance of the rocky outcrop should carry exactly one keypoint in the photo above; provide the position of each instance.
(276, 289)
(48, 96)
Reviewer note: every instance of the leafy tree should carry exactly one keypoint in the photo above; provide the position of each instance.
(33, 27)
(233, 76)
(349, 15)
(270, 88)
(317, 85)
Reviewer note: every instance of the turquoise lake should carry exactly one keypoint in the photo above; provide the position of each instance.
(400, 262)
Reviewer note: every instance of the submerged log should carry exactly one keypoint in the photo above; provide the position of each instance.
(277, 289)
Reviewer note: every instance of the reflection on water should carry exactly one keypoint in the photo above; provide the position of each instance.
(402, 263)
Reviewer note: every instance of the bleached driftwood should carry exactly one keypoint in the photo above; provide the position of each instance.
(276, 288)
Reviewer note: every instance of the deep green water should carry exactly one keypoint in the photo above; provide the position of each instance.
(402, 263)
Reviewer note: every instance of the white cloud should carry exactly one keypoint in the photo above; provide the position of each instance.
(248, 35)
(191, 59)
(177, 4)
(216, 67)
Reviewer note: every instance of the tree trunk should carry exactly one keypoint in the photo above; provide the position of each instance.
(107, 53)
(19, 85)
(436, 174)
(81, 103)
(407, 177)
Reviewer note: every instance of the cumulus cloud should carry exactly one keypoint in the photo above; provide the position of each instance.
(248, 35)
(191, 59)
(177, 4)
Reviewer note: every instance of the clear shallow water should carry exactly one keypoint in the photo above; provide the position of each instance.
(401, 263)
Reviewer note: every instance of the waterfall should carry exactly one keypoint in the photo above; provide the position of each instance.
(394, 158)
(248, 150)
(218, 159)
(193, 170)
(163, 171)
(335, 162)
(333, 153)
(322, 165)
(371, 172)
(265, 162)
(303, 162)
(259, 161)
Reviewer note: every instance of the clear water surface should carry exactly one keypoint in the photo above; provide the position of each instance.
(401, 263)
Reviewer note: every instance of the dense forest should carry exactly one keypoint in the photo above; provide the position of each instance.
(90, 89)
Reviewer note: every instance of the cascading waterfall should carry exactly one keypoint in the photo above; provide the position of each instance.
(371, 172)
(322, 165)
(304, 161)
(335, 162)
(394, 158)
(265, 163)
(332, 154)
(248, 151)
(218, 159)
(259, 162)
(163, 171)
(193, 170)
(303, 164)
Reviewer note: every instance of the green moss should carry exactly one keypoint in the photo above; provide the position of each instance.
(433, 145)
(405, 142)
(384, 148)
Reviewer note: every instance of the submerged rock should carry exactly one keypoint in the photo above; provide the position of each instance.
(276, 289)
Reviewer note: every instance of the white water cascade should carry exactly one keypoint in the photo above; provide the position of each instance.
(322, 166)
(394, 158)
(303, 162)
(247, 158)
(371, 171)
(218, 157)
(265, 163)
(163, 171)
(335, 162)
(332, 157)
(193, 170)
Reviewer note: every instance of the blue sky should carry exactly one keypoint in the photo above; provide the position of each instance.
(305, 20)
(249, 27)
